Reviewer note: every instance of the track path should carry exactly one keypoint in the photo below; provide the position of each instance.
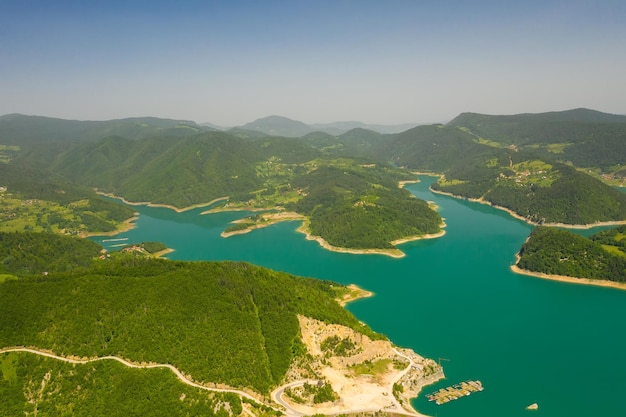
(276, 394)
(176, 372)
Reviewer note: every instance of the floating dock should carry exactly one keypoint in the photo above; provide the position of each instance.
(455, 392)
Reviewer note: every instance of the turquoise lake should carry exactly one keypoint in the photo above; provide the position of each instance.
(452, 299)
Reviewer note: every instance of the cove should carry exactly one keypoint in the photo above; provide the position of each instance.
(452, 299)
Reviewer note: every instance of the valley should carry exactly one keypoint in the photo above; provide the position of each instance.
(353, 194)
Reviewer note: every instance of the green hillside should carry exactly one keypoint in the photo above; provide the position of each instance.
(527, 180)
(366, 210)
(559, 252)
(39, 253)
(434, 148)
(34, 385)
(19, 129)
(278, 126)
(225, 322)
(180, 172)
(362, 207)
(321, 141)
(585, 138)
(361, 142)
(539, 191)
(569, 126)
(38, 200)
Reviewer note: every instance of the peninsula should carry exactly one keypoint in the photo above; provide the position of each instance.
(312, 338)
(564, 256)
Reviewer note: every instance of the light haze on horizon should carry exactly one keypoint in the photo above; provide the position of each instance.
(232, 62)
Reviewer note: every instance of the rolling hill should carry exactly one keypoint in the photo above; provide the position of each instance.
(19, 129)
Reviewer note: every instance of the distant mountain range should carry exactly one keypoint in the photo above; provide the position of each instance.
(521, 162)
(569, 126)
(283, 126)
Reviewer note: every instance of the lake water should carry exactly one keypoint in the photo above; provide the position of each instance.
(452, 299)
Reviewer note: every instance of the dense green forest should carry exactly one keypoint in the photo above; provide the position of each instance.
(435, 148)
(583, 137)
(34, 385)
(227, 322)
(362, 208)
(481, 156)
(350, 202)
(539, 191)
(569, 126)
(180, 172)
(612, 237)
(232, 322)
(19, 129)
(38, 253)
(560, 252)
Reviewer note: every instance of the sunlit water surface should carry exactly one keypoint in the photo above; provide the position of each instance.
(453, 299)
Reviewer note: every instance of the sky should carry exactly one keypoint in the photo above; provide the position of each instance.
(385, 62)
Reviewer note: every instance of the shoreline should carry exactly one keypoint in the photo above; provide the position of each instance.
(440, 233)
(357, 393)
(394, 253)
(565, 278)
(168, 206)
(401, 184)
(244, 208)
(524, 219)
(125, 226)
(428, 174)
(272, 218)
(163, 252)
(356, 293)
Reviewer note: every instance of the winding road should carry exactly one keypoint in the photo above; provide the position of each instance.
(176, 372)
(276, 395)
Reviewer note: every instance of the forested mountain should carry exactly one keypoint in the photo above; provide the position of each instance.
(289, 150)
(253, 167)
(553, 127)
(179, 172)
(149, 310)
(221, 322)
(263, 173)
(361, 142)
(339, 128)
(39, 253)
(362, 208)
(283, 126)
(585, 138)
(278, 126)
(19, 129)
(527, 179)
(321, 141)
(105, 388)
(356, 142)
(538, 191)
(559, 252)
(435, 148)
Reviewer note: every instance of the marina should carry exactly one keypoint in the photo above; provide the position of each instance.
(455, 392)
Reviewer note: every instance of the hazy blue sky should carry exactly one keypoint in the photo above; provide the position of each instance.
(229, 62)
